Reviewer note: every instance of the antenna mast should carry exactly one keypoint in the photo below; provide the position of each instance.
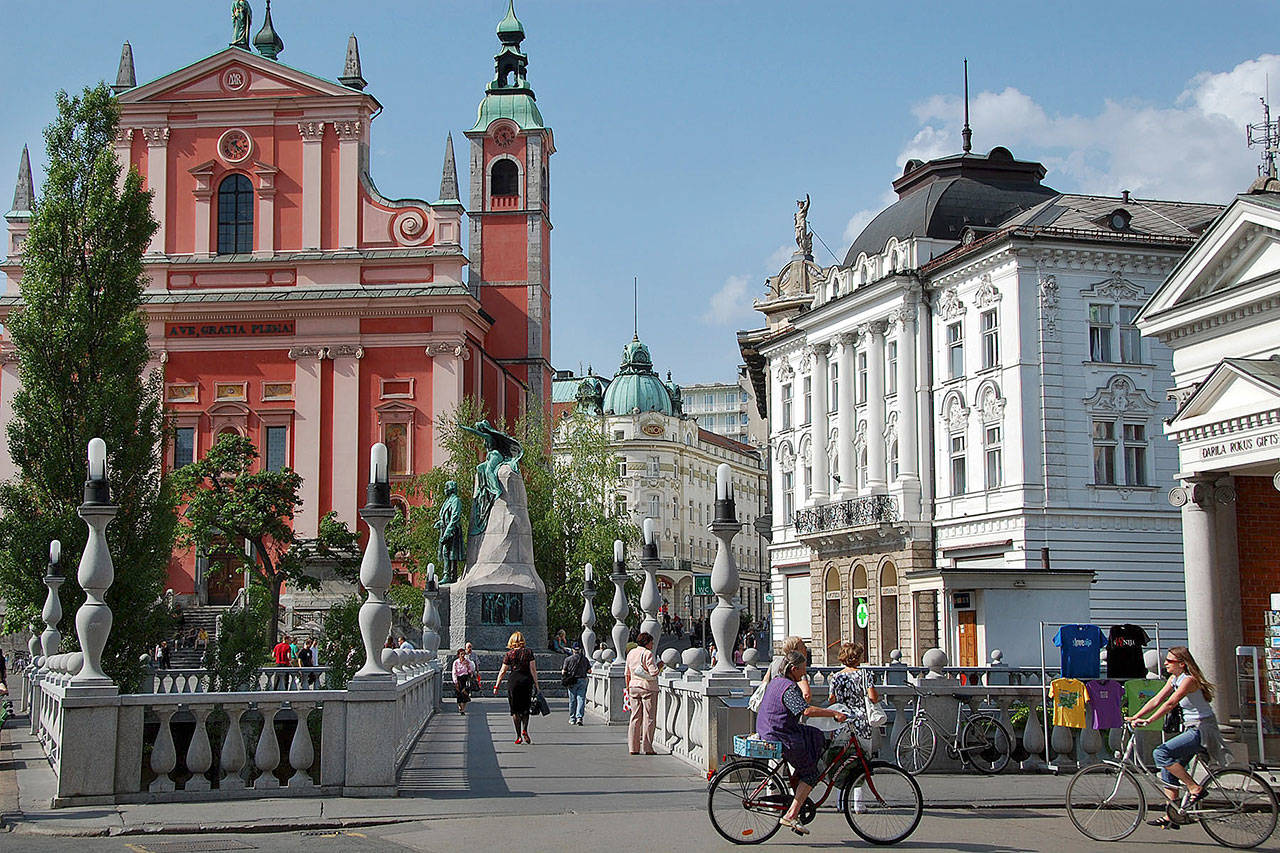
(966, 135)
(635, 307)
(1266, 135)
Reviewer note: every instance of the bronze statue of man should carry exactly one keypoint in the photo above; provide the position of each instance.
(452, 550)
(241, 21)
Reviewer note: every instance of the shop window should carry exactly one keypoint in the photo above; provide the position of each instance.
(235, 216)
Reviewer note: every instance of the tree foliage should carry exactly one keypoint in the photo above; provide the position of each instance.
(81, 341)
(226, 502)
(341, 646)
(241, 646)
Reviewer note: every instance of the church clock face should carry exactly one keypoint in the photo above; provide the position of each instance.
(504, 136)
(235, 146)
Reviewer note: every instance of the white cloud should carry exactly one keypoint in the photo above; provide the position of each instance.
(730, 304)
(779, 258)
(1190, 150)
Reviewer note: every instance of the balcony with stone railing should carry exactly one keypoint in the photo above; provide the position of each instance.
(871, 511)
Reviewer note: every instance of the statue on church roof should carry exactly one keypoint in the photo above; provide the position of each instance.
(804, 237)
(241, 20)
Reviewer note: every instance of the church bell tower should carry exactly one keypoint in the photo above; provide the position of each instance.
(510, 219)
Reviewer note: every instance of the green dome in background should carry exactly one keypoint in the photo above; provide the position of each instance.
(636, 388)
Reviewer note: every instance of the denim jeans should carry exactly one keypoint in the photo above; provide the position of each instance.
(578, 699)
(1176, 750)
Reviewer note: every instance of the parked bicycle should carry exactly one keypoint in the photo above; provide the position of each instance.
(751, 791)
(980, 739)
(1107, 802)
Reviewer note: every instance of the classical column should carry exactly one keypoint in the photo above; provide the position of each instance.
(122, 145)
(844, 423)
(202, 195)
(348, 133)
(448, 371)
(908, 455)
(877, 475)
(1213, 590)
(821, 485)
(266, 241)
(346, 430)
(312, 133)
(158, 182)
(306, 435)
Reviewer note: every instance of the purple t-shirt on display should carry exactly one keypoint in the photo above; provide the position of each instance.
(1081, 650)
(1104, 704)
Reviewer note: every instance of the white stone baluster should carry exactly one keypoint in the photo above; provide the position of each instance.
(267, 756)
(233, 755)
(199, 753)
(375, 570)
(1033, 735)
(301, 752)
(164, 757)
(51, 637)
(621, 609)
(650, 600)
(96, 573)
(430, 615)
(724, 576)
(588, 613)
(1063, 742)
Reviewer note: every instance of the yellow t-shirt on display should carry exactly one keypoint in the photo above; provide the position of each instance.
(1068, 702)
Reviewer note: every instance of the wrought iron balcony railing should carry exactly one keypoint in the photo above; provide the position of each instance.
(858, 512)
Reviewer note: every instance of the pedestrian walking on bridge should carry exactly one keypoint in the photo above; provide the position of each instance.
(520, 662)
(642, 686)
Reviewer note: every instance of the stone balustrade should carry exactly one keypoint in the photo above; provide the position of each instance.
(200, 680)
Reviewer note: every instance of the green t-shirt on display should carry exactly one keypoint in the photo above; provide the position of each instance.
(1137, 692)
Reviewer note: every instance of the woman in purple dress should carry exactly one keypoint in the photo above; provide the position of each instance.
(778, 720)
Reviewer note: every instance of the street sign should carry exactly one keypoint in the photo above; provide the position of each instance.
(862, 614)
(702, 584)
(768, 598)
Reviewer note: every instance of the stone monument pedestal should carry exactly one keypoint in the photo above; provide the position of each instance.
(500, 592)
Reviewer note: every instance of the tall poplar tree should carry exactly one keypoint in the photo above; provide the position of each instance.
(81, 342)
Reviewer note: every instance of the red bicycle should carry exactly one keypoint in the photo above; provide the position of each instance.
(752, 790)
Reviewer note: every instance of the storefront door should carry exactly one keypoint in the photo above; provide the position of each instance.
(967, 637)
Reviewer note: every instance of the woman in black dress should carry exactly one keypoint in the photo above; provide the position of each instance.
(519, 661)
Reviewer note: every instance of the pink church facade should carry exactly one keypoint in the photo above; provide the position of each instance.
(291, 302)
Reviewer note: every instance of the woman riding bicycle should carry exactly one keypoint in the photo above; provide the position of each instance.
(778, 720)
(1188, 688)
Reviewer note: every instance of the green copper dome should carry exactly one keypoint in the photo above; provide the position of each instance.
(636, 388)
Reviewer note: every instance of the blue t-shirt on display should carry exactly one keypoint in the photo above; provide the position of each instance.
(1081, 650)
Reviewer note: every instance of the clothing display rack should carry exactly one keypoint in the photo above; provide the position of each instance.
(1153, 627)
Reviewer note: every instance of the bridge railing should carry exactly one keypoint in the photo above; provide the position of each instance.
(193, 746)
(200, 680)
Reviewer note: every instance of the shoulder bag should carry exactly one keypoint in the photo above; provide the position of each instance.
(757, 697)
(876, 716)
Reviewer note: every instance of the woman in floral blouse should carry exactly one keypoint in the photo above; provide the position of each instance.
(852, 688)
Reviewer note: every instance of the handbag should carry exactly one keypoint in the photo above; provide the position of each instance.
(538, 705)
(876, 716)
(1173, 721)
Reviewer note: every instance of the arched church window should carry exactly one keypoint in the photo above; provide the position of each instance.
(235, 216)
(504, 178)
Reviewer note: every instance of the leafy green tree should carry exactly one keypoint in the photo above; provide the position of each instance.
(227, 502)
(342, 649)
(241, 644)
(81, 341)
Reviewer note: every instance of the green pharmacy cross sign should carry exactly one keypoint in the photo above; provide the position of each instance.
(862, 614)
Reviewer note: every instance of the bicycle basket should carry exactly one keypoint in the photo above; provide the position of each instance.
(754, 747)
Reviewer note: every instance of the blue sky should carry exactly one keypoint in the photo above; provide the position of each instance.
(686, 129)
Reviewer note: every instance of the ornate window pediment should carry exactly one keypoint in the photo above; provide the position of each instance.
(954, 414)
(1121, 396)
(988, 294)
(948, 305)
(1117, 288)
(990, 403)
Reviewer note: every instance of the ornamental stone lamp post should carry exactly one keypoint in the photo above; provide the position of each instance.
(51, 637)
(431, 616)
(375, 570)
(650, 600)
(620, 607)
(96, 573)
(724, 577)
(588, 613)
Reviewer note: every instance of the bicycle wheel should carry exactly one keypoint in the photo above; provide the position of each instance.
(916, 747)
(1239, 809)
(883, 807)
(1105, 802)
(986, 743)
(745, 800)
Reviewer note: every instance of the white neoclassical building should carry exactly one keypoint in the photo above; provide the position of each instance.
(667, 472)
(1219, 311)
(964, 420)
